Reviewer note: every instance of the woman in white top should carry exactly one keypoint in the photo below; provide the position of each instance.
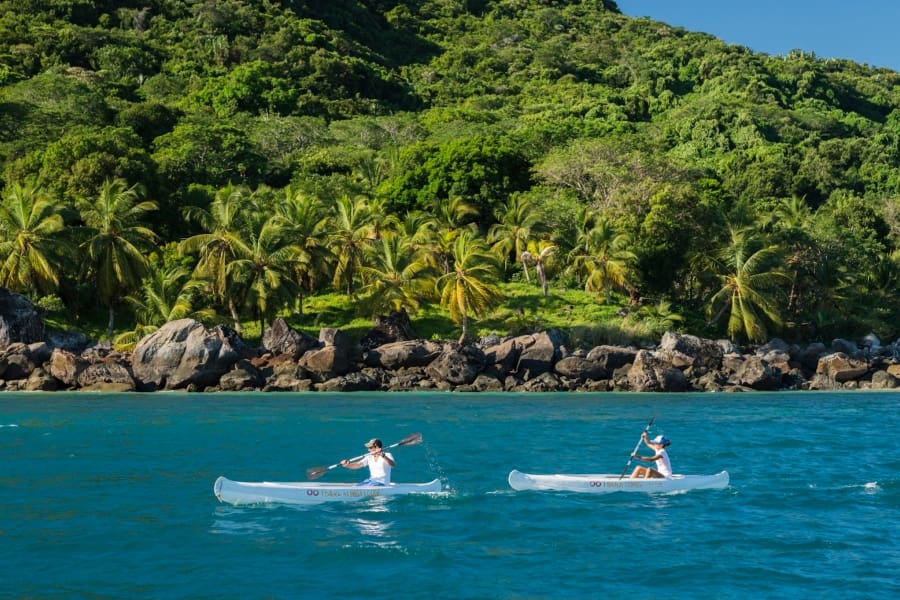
(660, 457)
(379, 462)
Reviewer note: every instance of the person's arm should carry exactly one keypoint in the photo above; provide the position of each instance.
(389, 459)
(653, 458)
(353, 465)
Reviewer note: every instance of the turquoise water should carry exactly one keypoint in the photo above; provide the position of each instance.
(110, 496)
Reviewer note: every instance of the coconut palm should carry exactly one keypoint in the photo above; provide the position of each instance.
(351, 233)
(396, 275)
(30, 239)
(263, 268)
(222, 241)
(469, 286)
(306, 221)
(750, 274)
(601, 254)
(539, 255)
(168, 293)
(516, 221)
(116, 241)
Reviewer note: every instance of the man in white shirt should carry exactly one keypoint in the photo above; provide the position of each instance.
(379, 462)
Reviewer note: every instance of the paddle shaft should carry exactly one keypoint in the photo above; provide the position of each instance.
(317, 472)
(636, 447)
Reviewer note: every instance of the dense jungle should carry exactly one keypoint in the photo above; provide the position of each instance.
(484, 165)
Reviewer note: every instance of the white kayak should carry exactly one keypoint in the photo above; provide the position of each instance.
(605, 483)
(304, 492)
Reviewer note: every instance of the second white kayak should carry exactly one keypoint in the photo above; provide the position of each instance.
(607, 483)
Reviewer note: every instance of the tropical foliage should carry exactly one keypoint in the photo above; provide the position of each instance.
(246, 159)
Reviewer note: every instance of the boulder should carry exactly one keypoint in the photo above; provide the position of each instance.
(184, 353)
(685, 351)
(16, 362)
(756, 373)
(403, 355)
(395, 327)
(281, 338)
(841, 367)
(652, 373)
(612, 357)
(20, 321)
(243, 376)
(581, 369)
(504, 355)
(540, 352)
(457, 365)
(106, 376)
(65, 367)
(352, 382)
(882, 380)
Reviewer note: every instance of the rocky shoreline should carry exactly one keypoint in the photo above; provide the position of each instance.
(186, 355)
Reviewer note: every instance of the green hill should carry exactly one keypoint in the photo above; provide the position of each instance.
(301, 149)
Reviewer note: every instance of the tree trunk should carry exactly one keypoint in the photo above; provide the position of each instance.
(234, 315)
(111, 322)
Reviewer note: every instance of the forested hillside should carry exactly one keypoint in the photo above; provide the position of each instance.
(229, 160)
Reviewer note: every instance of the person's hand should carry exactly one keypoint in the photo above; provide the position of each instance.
(344, 463)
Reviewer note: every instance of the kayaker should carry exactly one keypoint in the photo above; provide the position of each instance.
(379, 462)
(660, 457)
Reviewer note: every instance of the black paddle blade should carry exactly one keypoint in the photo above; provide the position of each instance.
(316, 472)
(411, 440)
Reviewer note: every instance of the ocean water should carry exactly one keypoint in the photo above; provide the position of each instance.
(110, 496)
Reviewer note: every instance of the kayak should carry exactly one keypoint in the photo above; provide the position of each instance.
(242, 492)
(605, 483)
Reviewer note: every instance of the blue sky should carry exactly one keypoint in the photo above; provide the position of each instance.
(865, 31)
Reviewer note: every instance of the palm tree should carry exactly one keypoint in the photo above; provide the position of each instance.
(749, 273)
(169, 293)
(264, 267)
(449, 216)
(30, 239)
(396, 276)
(468, 288)
(116, 241)
(351, 233)
(601, 254)
(223, 240)
(539, 255)
(305, 219)
(515, 224)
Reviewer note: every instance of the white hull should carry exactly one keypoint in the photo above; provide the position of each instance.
(606, 483)
(241, 492)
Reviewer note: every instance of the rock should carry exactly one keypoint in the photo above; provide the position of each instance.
(756, 373)
(457, 365)
(65, 367)
(580, 369)
(20, 321)
(845, 346)
(809, 356)
(396, 327)
(504, 355)
(352, 382)
(280, 338)
(841, 368)
(16, 362)
(184, 353)
(243, 376)
(685, 351)
(327, 363)
(402, 355)
(882, 380)
(652, 373)
(106, 376)
(41, 381)
(612, 357)
(539, 353)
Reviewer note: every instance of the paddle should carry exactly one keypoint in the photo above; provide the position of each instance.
(410, 440)
(638, 445)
